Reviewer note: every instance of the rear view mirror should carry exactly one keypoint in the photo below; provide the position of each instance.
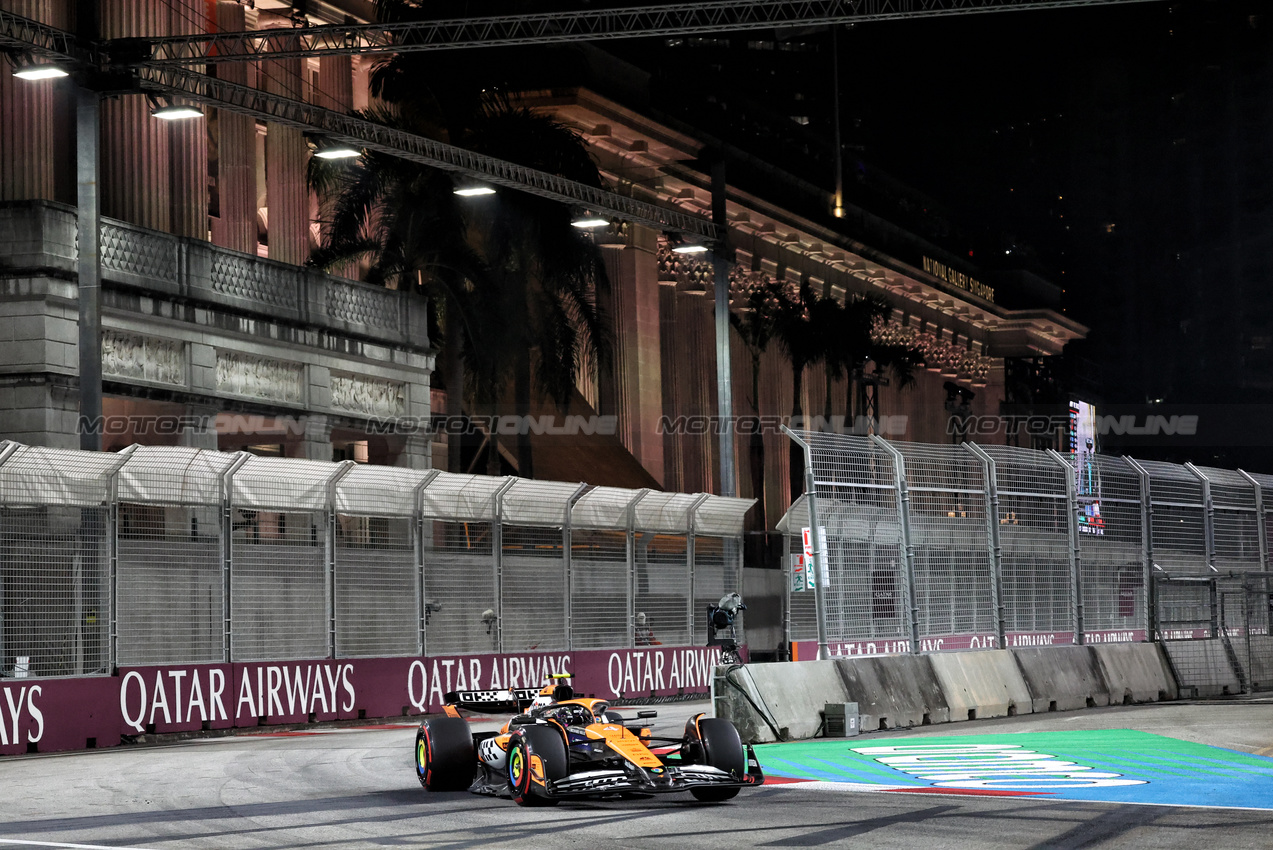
(647, 714)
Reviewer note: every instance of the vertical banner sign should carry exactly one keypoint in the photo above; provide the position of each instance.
(812, 582)
(1087, 485)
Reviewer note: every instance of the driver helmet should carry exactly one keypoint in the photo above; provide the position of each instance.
(575, 715)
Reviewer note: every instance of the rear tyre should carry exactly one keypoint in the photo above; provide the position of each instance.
(444, 757)
(722, 749)
(541, 742)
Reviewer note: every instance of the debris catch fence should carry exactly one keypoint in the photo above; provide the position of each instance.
(948, 547)
(172, 555)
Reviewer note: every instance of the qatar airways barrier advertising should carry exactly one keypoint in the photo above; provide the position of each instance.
(807, 650)
(45, 715)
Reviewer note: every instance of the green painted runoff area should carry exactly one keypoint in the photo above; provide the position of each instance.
(1115, 765)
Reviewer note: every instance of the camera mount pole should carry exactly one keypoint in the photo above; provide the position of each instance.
(819, 556)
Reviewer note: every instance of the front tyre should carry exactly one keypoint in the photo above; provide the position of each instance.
(531, 745)
(722, 749)
(444, 757)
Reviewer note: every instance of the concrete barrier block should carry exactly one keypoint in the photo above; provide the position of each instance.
(1135, 672)
(793, 693)
(1062, 678)
(978, 685)
(894, 691)
(1203, 667)
(1261, 673)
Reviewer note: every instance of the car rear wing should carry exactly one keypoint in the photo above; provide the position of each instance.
(509, 699)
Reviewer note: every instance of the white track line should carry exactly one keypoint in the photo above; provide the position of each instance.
(20, 843)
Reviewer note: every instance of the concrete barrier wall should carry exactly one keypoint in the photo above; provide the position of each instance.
(1261, 660)
(894, 691)
(1135, 672)
(792, 694)
(899, 691)
(1062, 678)
(978, 685)
(1204, 664)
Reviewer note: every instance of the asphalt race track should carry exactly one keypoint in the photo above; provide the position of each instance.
(1187, 775)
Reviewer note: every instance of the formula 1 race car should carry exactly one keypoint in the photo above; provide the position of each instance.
(559, 746)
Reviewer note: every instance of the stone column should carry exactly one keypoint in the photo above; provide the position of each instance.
(28, 112)
(316, 442)
(286, 158)
(41, 413)
(135, 153)
(636, 391)
(204, 434)
(335, 91)
(235, 225)
(188, 140)
(417, 451)
(335, 83)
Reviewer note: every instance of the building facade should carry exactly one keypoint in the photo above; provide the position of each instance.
(216, 335)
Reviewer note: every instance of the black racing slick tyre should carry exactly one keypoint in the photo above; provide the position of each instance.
(723, 749)
(444, 756)
(545, 744)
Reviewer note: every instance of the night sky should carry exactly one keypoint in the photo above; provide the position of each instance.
(1123, 152)
(1127, 153)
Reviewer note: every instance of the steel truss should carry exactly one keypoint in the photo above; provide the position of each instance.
(349, 129)
(36, 39)
(158, 65)
(715, 16)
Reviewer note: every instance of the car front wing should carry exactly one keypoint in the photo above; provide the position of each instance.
(667, 779)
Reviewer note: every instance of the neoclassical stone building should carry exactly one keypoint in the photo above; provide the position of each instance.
(663, 312)
(209, 314)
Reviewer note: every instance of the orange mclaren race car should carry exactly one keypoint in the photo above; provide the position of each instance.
(559, 746)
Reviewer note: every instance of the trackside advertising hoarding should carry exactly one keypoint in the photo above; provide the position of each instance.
(45, 715)
(807, 650)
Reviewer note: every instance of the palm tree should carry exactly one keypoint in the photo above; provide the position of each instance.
(546, 272)
(401, 218)
(801, 324)
(843, 336)
(854, 342)
(517, 283)
(757, 298)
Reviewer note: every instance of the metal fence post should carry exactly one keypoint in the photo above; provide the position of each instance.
(819, 556)
(629, 560)
(990, 472)
(1261, 520)
(227, 554)
(329, 555)
(7, 448)
(690, 570)
(1149, 592)
(908, 547)
(566, 545)
(1209, 517)
(1076, 554)
(497, 559)
(112, 538)
(417, 516)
